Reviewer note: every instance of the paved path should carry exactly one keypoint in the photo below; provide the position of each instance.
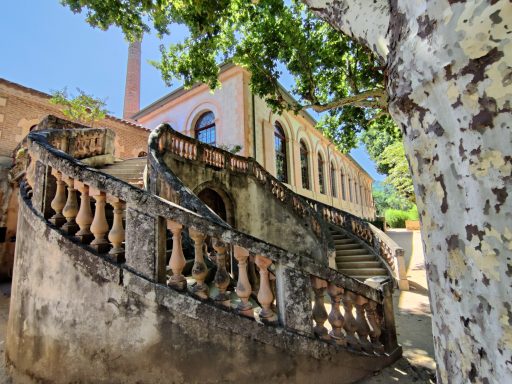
(413, 319)
(5, 293)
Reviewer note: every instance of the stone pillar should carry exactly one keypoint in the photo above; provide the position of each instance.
(177, 261)
(388, 336)
(44, 186)
(59, 201)
(199, 270)
(243, 286)
(294, 300)
(117, 233)
(145, 244)
(265, 295)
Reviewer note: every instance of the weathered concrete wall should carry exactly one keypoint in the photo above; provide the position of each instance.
(8, 215)
(75, 317)
(256, 210)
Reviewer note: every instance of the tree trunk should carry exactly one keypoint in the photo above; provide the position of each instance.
(450, 90)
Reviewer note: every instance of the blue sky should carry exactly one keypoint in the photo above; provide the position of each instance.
(47, 47)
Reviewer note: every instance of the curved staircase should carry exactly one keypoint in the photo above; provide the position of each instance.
(101, 259)
(358, 249)
(130, 171)
(353, 258)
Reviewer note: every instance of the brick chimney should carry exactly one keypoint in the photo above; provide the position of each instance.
(132, 86)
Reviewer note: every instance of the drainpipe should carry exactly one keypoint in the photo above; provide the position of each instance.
(253, 126)
(329, 167)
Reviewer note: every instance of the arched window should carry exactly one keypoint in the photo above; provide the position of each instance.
(205, 128)
(343, 188)
(334, 192)
(304, 165)
(350, 192)
(355, 192)
(321, 178)
(280, 148)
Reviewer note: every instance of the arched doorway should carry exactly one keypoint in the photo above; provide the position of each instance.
(213, 200)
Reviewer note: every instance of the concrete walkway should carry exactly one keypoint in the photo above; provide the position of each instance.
(413, 319)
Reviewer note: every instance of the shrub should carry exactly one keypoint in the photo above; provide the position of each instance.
(395, 218)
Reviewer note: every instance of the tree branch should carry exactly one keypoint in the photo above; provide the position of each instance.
(366, 21)
(374, 98)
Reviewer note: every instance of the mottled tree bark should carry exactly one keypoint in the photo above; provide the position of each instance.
(450, 90)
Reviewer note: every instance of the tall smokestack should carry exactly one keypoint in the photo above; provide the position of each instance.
(132, 86)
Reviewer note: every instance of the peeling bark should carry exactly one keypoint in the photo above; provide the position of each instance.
(366, 21)
(450, 90)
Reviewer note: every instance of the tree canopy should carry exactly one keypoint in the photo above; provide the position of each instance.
(387, 151)
(332, 73)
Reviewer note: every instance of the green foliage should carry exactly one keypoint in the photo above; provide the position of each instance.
(377, 137)
(234, 149)
(396, 218)
(332, 72)
(383, 143)
(399, 176)
(385, 197)
(82, 108)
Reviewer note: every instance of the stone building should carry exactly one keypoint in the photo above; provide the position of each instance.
(21, 109)
(287, 145)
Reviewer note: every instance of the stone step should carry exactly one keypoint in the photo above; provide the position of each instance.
(348, 246)
(364, 272)
(126, 164)
(344, 241)
(339, 235)
(362, 257)
(123, 172)
(361, 278)
(357, 258)
(358, 264)
(351, 252)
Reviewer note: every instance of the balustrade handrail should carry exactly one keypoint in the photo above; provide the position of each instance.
(165, 135)
(384, 247)
(42, 150)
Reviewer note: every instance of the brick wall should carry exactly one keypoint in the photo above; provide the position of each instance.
(21, 108)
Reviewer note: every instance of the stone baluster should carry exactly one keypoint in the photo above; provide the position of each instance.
(177, 261)
(70, 210)
(376, 323)
(350, 325)
(319, 311)
(84, 216)
(221, 278)
(59, 201)
(99, 225)
(199, 269)
(243, 286)
(363, 329)
(336, 319)
(265, 296)
(116, 234)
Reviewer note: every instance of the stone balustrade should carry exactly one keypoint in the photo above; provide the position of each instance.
(128, 226)
(87, 225)
(84, 143)
(317, 213)
(384, 247)
(167, 138)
